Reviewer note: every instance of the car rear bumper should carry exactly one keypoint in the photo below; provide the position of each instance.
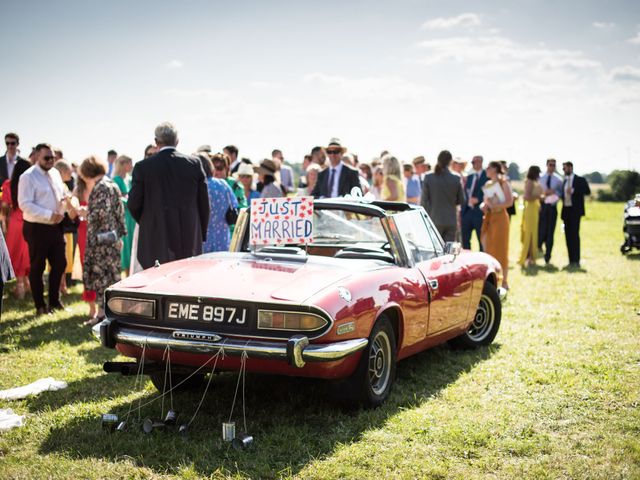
(296, 350)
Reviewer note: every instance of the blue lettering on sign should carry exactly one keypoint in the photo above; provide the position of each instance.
(282, 229)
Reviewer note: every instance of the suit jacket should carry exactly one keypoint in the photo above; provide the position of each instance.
(580, 189)
(169, 200)
(440, 195)
(21, 166)
(349, 178)
(4, 171)
(477, 190)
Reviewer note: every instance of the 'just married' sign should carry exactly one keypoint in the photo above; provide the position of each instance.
(281, 221)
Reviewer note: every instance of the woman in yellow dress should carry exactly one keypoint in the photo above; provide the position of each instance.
(392, 187)
(495, 223)
(530, 215)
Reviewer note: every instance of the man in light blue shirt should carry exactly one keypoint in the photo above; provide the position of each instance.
(411, 184)
(286, 172)
(551, 183)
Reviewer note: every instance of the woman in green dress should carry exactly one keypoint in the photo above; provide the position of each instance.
(122, 178)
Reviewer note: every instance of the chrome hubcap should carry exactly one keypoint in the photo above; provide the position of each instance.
(380, 363)
(483, 321)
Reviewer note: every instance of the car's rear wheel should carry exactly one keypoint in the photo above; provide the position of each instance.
(486, 322)
(179, 381)
(371, 383)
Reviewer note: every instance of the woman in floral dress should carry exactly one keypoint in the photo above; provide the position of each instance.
(221, 198)
(105, 228)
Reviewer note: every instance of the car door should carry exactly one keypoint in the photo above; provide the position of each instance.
(451, 285)
(448, 279)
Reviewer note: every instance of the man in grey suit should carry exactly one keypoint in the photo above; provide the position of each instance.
(441, 193)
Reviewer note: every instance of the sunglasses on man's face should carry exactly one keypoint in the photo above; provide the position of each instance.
(219, 168)
(334, 152)
(11, 143)
(48, 158)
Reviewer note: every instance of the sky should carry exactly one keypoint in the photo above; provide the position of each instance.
(521, 81)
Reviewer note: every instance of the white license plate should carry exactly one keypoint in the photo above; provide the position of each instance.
(206, 313)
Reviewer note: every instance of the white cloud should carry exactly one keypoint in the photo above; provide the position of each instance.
(626, 73)
(462, 20)
(635, 40)
(604, 25)
(377, 88)
(498, 53)
(174, 64)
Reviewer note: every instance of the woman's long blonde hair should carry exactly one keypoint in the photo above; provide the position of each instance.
(119, 167)
(391, 166)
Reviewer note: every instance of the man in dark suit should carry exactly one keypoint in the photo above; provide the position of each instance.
(11, 158)
(169, 200)
(574, 189)
(471, 215)
(441, 193)
(339, 179)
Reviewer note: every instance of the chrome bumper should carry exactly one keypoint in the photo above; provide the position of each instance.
(296, 350)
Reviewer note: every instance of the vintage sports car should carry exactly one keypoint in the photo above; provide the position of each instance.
(375, 285)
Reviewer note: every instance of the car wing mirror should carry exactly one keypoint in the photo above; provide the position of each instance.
(452, 248)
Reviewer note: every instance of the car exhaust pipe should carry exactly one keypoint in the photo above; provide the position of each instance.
(125, 368)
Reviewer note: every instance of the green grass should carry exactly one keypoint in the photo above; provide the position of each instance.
(556, 396)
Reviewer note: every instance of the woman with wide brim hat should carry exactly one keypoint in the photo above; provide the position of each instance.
(245, 174)
(268, 185)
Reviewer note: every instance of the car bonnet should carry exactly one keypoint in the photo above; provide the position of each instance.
(245, 277)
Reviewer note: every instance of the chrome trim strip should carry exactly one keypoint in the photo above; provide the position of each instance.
(327, 352)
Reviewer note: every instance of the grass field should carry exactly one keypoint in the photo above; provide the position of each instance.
(556, 396)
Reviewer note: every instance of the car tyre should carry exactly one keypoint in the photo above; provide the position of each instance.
(371, 383)
(178, 380)
(486, 322)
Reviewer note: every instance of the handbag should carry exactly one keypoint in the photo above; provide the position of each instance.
(231, 215)
(107, 238)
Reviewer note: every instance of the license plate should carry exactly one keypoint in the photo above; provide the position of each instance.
(207, 313)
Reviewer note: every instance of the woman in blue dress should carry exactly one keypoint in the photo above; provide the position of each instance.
(221, 197)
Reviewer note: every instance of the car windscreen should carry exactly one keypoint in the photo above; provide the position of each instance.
(340, 227)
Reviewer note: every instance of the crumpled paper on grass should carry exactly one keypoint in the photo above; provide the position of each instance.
(39, 386)
(9, 419)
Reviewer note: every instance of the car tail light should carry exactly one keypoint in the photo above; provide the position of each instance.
(278, 320)
(138, 307)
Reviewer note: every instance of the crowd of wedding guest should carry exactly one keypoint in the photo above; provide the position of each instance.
(115, 218)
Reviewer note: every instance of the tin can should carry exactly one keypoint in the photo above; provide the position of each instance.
(171, 418)
(242, 441)
(149, 425)
(109, 421)
(228, 431)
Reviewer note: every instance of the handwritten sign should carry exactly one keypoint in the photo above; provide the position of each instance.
(281, 220)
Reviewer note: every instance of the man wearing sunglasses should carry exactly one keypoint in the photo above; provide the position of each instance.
(41, 196)
(9, 160)
(339, 179)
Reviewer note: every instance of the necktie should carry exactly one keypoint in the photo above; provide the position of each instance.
(548, 182)
(472, 189)
(332, 177)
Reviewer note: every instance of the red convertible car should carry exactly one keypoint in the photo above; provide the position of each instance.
(375, 285)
